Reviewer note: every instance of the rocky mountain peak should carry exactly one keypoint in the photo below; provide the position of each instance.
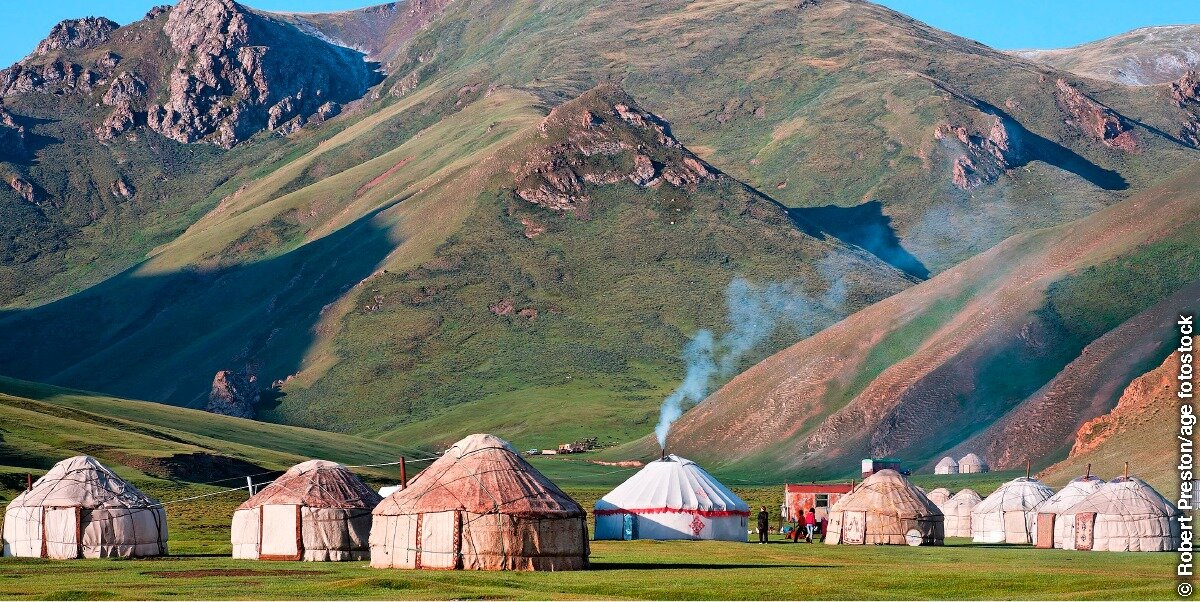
(206, 26)
(233, 394)
(88, 32)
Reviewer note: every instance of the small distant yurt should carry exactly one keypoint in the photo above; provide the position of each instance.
(1008, 515)
(1050, 531)
(946, 465)
(80, 509)
(885, 509)
(672, 498)
(939, 496)
(1124, 515)
(480, 506)
(971, 463)
(958, 512)
(316, 511)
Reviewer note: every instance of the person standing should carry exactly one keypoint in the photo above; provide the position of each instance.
(763, 524)
(810, 524)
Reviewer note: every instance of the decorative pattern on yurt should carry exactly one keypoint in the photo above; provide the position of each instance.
(1050, 532)
(480, 506)
(672, 498)
(317, 511)
(886, 508)
(81, 509)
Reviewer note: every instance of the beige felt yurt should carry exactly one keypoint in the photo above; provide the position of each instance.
(971, 463)
(958, 512)
(946, 465)
(480, 506)
(939, 496)
(886, 508)
(1049, 531)
(1009, 513)
(80, 509)
(1124, 515)
(317, 510)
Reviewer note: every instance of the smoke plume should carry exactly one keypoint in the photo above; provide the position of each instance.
(753, 314)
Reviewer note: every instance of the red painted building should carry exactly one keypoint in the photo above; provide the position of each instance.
(799, 498)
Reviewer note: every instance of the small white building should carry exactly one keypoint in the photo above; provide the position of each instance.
(946, 465)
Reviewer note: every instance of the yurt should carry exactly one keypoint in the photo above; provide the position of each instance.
(480, 506)
(317, 511)
(1049, 531)
(939, 496)
(971, 463)
(946, 465)
(885, 509)
(1009, 513)
(672, 498)
(958, 512)
(1124, 515)
(80, 509)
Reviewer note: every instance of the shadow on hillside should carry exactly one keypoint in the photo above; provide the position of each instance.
(864, 226)
(162, 337)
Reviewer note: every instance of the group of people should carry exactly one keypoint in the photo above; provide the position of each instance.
(806, 524)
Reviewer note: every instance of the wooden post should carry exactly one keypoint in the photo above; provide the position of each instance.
(403, 473)
(250, 486)
(1088, 477)
(1127, 470)
(1026, 468)
(28, 481)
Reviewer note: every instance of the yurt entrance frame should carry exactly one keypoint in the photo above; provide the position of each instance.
(262, 521)
(58, 547)
(423, 539)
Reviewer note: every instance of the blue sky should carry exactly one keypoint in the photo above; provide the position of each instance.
(1005, 24)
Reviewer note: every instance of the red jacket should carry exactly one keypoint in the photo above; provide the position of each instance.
(810, 518)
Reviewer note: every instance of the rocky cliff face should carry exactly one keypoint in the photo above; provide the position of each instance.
(233, 394)
(1186, 93)
(12, 137)
(1094, 119)
(985, 156)
(239, 72)
(599, 139)
(89, 32)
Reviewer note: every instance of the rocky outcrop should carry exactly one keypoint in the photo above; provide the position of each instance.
(121, 187)
(239, 72)
(985, 156)
(1186, 94)
(24, 188)
(127, 96)
(233, 394)
(600, 139)
(56, 76)
(89, 32)
(1094, 119)
(13, 144)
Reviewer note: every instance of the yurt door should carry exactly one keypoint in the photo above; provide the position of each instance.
(854, 527)
(61, 533)
(1016, 527)
(1045, 529)
(1085, 523)
(280, 537)
(628, 527)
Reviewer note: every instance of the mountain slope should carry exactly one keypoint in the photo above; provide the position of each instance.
(44, 424)
(928, 368)
(1142, 57)
(1141, 429)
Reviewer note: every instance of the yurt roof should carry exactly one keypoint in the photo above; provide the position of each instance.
(316, 484)
(1129, 496)
(971, 459)
(481, 474)
(947, 461)
(1072, 493)
(965, 499)
(942, 492)
(672, 483)
(83, 481)
(887, 492)
(1021, 493)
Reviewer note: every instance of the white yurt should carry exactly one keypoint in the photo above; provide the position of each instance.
(1124, 515)
(971, 463)
(316, 511)
(480, 506)
(672, 498)
(885, 508)
(946, 465)
(1008, 515)
(80, 509)
(939, 496)
(958, 512)
(1050, 531)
